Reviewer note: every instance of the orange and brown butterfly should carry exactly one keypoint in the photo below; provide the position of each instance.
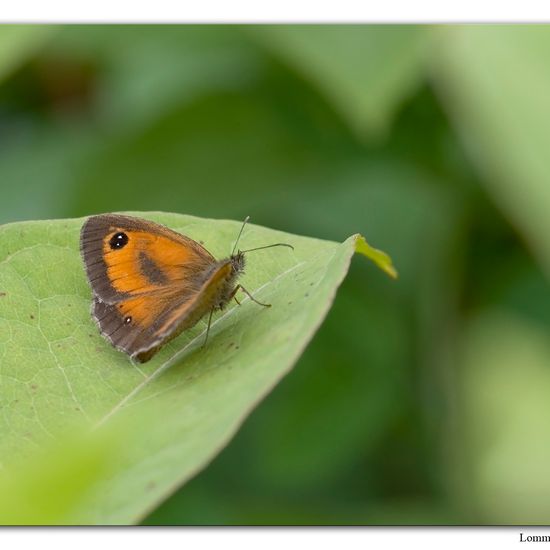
(150, 283)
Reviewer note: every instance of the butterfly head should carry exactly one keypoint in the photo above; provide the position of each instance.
(237, 258)
(237, 262)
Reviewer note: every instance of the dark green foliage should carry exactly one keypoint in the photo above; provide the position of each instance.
(395, 413)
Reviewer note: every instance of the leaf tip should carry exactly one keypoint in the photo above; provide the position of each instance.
(380, 258)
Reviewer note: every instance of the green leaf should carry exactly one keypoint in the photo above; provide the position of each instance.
(365, 70)
(160, 67)
(178, 410)
(495, 82)
(50, 487)
(500, 457)
(18, 42)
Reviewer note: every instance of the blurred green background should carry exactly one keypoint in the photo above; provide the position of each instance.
(419, 401)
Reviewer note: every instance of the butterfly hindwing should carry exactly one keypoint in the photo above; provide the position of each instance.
(123, 327)
(138, 326)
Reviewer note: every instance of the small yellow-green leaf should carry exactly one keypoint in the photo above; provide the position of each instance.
(380, 258)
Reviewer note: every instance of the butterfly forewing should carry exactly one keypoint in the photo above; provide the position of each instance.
(126, 257)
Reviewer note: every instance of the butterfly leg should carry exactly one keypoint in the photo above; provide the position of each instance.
(250, 295)
(208, 327)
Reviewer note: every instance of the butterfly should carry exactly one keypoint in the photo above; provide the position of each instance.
(150, 283)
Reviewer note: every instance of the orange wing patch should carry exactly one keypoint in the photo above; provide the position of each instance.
(141, 311)
(147, 262)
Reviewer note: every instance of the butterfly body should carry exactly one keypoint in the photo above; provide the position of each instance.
(150, 283)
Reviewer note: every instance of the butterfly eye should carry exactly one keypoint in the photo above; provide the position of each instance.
(118, 240)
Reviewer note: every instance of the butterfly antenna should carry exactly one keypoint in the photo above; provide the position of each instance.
(239, 235)
(268, 246)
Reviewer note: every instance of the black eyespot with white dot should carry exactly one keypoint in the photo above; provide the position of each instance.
(118, 240)
(127, 320)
